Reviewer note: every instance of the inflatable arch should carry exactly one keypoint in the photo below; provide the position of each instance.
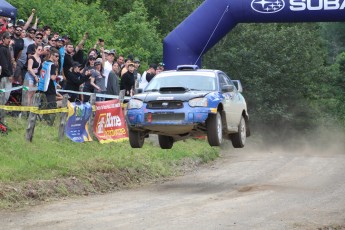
(213, 19)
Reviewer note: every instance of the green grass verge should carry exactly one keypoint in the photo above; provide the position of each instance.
(47, 168)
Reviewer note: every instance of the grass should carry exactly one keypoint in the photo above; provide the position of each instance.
(47, 167)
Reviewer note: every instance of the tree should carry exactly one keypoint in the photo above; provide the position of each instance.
(282, 69)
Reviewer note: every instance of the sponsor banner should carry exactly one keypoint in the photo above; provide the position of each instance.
(109, 123)
(78, 115)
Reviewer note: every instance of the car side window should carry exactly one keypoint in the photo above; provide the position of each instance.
(225, 80)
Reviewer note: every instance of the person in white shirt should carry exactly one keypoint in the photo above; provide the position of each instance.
(108, 65)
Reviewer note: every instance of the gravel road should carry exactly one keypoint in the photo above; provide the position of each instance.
(250, 188)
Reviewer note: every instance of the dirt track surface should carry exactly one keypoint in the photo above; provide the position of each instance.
(244, 189)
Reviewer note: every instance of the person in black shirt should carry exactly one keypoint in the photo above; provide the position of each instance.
(49, 101)
(74, 79)
(128, 81)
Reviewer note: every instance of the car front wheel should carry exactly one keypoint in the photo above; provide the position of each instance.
(214, 129)
(165, 142)
(136, 138)
(239, 139)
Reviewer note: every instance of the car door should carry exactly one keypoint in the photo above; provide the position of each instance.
(231, 103)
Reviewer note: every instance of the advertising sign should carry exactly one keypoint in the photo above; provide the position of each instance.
(78, 115)
(109, 125)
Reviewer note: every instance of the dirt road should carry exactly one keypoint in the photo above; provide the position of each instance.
(245, 189)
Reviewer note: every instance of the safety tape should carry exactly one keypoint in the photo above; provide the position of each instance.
(33, 109)
(40, 111)
(25, 88)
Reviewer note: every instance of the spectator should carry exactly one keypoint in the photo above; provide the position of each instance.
(25, 25)
(24, 56)
(56, 35)
(52, 41)
(98, 79)
(127, 80)
(151, 72)
(18, 47)
(124, 68)
(32, 75)
(137, 75)
(113, 86)
(5, 58)
(69, 52)
(79, 49)
(49, 72)
(161, 66)
(6, 65)
(61, 48)
(120, 61)
(108, 63)
(46, 33)
(23, 34)
(147, 76)
(89, 67)
(74, 78)
(10, 28)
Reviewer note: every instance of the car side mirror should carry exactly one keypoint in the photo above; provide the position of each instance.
(238, 85)
(228, 88)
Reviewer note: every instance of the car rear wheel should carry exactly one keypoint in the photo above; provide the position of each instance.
(214, 129)
(165, 142)
(136, 138)
(239, 139)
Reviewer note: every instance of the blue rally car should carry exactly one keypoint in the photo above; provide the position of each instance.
(189, 102)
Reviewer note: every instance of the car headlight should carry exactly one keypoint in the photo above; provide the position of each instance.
(198, 102)
(134, 104)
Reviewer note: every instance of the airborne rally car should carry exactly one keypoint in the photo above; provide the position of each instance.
(189, 102)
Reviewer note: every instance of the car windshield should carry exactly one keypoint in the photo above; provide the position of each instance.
(192, 82)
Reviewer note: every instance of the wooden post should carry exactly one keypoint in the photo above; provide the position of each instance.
(63, 118)
(2, 102)
(92, 117)
(32, 119)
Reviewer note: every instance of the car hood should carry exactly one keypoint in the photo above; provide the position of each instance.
(171, 96)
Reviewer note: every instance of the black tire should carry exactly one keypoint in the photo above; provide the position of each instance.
(165, 142)
(136, 138)
(214, 129)
(239, 139)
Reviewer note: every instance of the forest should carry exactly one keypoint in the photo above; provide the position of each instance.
(292, 73)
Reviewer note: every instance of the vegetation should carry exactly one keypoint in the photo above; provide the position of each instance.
(47, 167)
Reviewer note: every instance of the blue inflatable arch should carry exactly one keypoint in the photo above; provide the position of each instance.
(213, 19)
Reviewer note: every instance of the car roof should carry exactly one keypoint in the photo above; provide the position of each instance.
(191, 72)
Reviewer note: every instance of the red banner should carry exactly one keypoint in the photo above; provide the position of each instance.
(110, 125)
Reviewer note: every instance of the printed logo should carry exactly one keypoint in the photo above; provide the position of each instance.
(267, 6)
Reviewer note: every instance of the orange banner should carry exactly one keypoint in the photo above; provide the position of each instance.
(110, 125)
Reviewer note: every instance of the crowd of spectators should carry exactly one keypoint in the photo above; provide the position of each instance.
(26, 49)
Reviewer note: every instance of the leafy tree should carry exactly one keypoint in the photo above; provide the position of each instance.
(281, 67)
(138, 36)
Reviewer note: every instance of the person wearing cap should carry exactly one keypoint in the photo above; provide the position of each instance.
(147, 76)
(98, 80)
(107, 65)
(74, 78)
(10, 28)
(87, 71)
(127, 80)
(18, 47)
